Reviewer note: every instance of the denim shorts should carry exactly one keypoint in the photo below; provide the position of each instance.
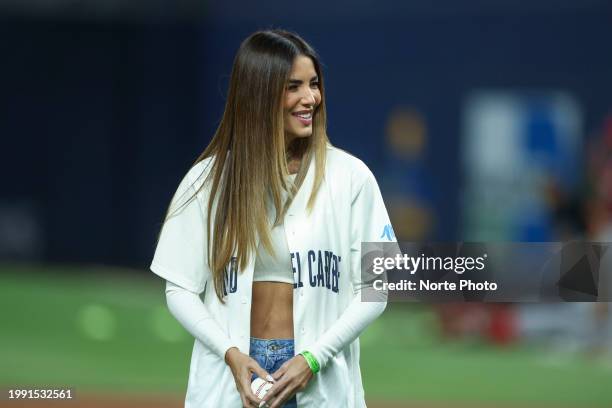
(270, 355)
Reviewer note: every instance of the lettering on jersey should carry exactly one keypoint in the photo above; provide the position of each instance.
(335, 273)
(311, 277)
(320, 280)
(327, 268)
(296, 265)
(323, 269)
(388, 232)
(230, 281)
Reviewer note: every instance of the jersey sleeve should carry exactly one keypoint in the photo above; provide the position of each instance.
(181, 253)
(369, 222)
(195, 317)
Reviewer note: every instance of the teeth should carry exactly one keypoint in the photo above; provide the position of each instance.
(304, 115)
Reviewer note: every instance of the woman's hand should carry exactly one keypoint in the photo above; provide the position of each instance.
(243, 367)
(293, 376)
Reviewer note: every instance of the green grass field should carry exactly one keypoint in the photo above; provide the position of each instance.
(108, 330)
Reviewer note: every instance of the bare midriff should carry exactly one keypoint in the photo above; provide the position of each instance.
(272, 310)
(272, 303)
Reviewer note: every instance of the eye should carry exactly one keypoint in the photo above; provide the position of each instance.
(314, 84)
(292, 87)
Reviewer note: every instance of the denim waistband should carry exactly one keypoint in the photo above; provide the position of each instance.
(276, 346)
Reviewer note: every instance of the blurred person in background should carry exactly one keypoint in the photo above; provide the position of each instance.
(599, 229)
(267, 227)
(582, 215)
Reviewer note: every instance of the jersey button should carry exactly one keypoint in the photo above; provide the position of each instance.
(244, 300)
(303, 330)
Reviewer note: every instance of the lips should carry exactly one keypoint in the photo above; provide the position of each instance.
(304, 117)
(305, 114)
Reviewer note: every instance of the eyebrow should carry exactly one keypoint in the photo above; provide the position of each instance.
(299, 81)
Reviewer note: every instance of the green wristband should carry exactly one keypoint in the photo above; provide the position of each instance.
(311, 361)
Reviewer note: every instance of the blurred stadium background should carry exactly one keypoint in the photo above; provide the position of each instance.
(483, 121)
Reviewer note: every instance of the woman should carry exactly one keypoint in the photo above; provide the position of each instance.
(261, 245)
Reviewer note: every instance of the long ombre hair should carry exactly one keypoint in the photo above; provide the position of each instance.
(249, 151)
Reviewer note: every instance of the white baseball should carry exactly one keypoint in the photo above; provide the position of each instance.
(260, 387)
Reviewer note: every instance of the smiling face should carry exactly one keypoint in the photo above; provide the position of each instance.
(302, 96)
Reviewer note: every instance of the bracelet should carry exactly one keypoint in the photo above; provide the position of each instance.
(311, 361)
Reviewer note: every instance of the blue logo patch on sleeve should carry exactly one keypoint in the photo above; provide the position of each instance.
(388, 232)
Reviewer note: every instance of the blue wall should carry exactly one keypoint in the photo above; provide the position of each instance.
(101, 119)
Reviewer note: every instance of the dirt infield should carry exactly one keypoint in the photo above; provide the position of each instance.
(164, 401)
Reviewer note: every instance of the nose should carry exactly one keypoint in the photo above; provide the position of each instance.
(308, 98)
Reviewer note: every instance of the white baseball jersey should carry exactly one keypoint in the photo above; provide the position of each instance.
(325, 248)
